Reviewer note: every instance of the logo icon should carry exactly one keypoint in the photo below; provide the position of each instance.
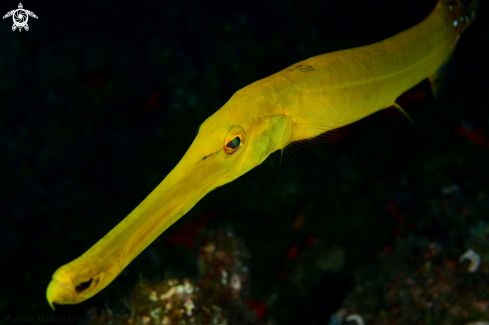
(20, 17)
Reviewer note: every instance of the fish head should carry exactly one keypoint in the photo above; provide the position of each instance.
(240, 136)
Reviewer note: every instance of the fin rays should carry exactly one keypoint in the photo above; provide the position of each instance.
(310, 139)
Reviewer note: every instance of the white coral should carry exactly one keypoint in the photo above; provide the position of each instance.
(355, 318)
(475, 260)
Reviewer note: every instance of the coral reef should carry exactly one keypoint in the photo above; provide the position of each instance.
(173, 301)
(217, 297)
(419, 282)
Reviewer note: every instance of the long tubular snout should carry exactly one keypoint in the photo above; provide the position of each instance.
(171, 199)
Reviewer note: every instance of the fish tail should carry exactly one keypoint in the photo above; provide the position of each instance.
(470, 8)
(460, 13)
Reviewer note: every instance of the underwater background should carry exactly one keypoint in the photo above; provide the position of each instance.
(99, 100)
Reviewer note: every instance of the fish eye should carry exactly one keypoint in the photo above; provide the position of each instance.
(233, 145)
(235, 139)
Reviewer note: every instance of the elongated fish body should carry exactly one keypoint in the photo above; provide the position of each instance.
(348, 85)
(301, 102)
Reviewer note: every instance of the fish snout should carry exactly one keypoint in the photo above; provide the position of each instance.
(61, 292)
(66, 288)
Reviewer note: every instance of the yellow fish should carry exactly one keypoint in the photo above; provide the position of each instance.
(303, 101)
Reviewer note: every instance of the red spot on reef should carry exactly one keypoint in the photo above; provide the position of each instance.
(387, 250)
(187, 233)
(391, 206)
(451, 264)
(310, 240)
(397, 232)
(152, 102)
(460, 131)
(292, 252)
(259, 307)
(150, 105)
(95, 80)
(478, 136)
(298, 222)
(482, 305)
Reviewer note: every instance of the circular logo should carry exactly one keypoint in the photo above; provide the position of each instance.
(20, 17)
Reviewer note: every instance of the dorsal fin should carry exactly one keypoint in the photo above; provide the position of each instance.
(396, 105)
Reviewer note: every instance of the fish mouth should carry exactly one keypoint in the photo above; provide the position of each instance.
(59, 292)
(66, 288)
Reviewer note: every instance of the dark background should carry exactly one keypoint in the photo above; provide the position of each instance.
(76, 158)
